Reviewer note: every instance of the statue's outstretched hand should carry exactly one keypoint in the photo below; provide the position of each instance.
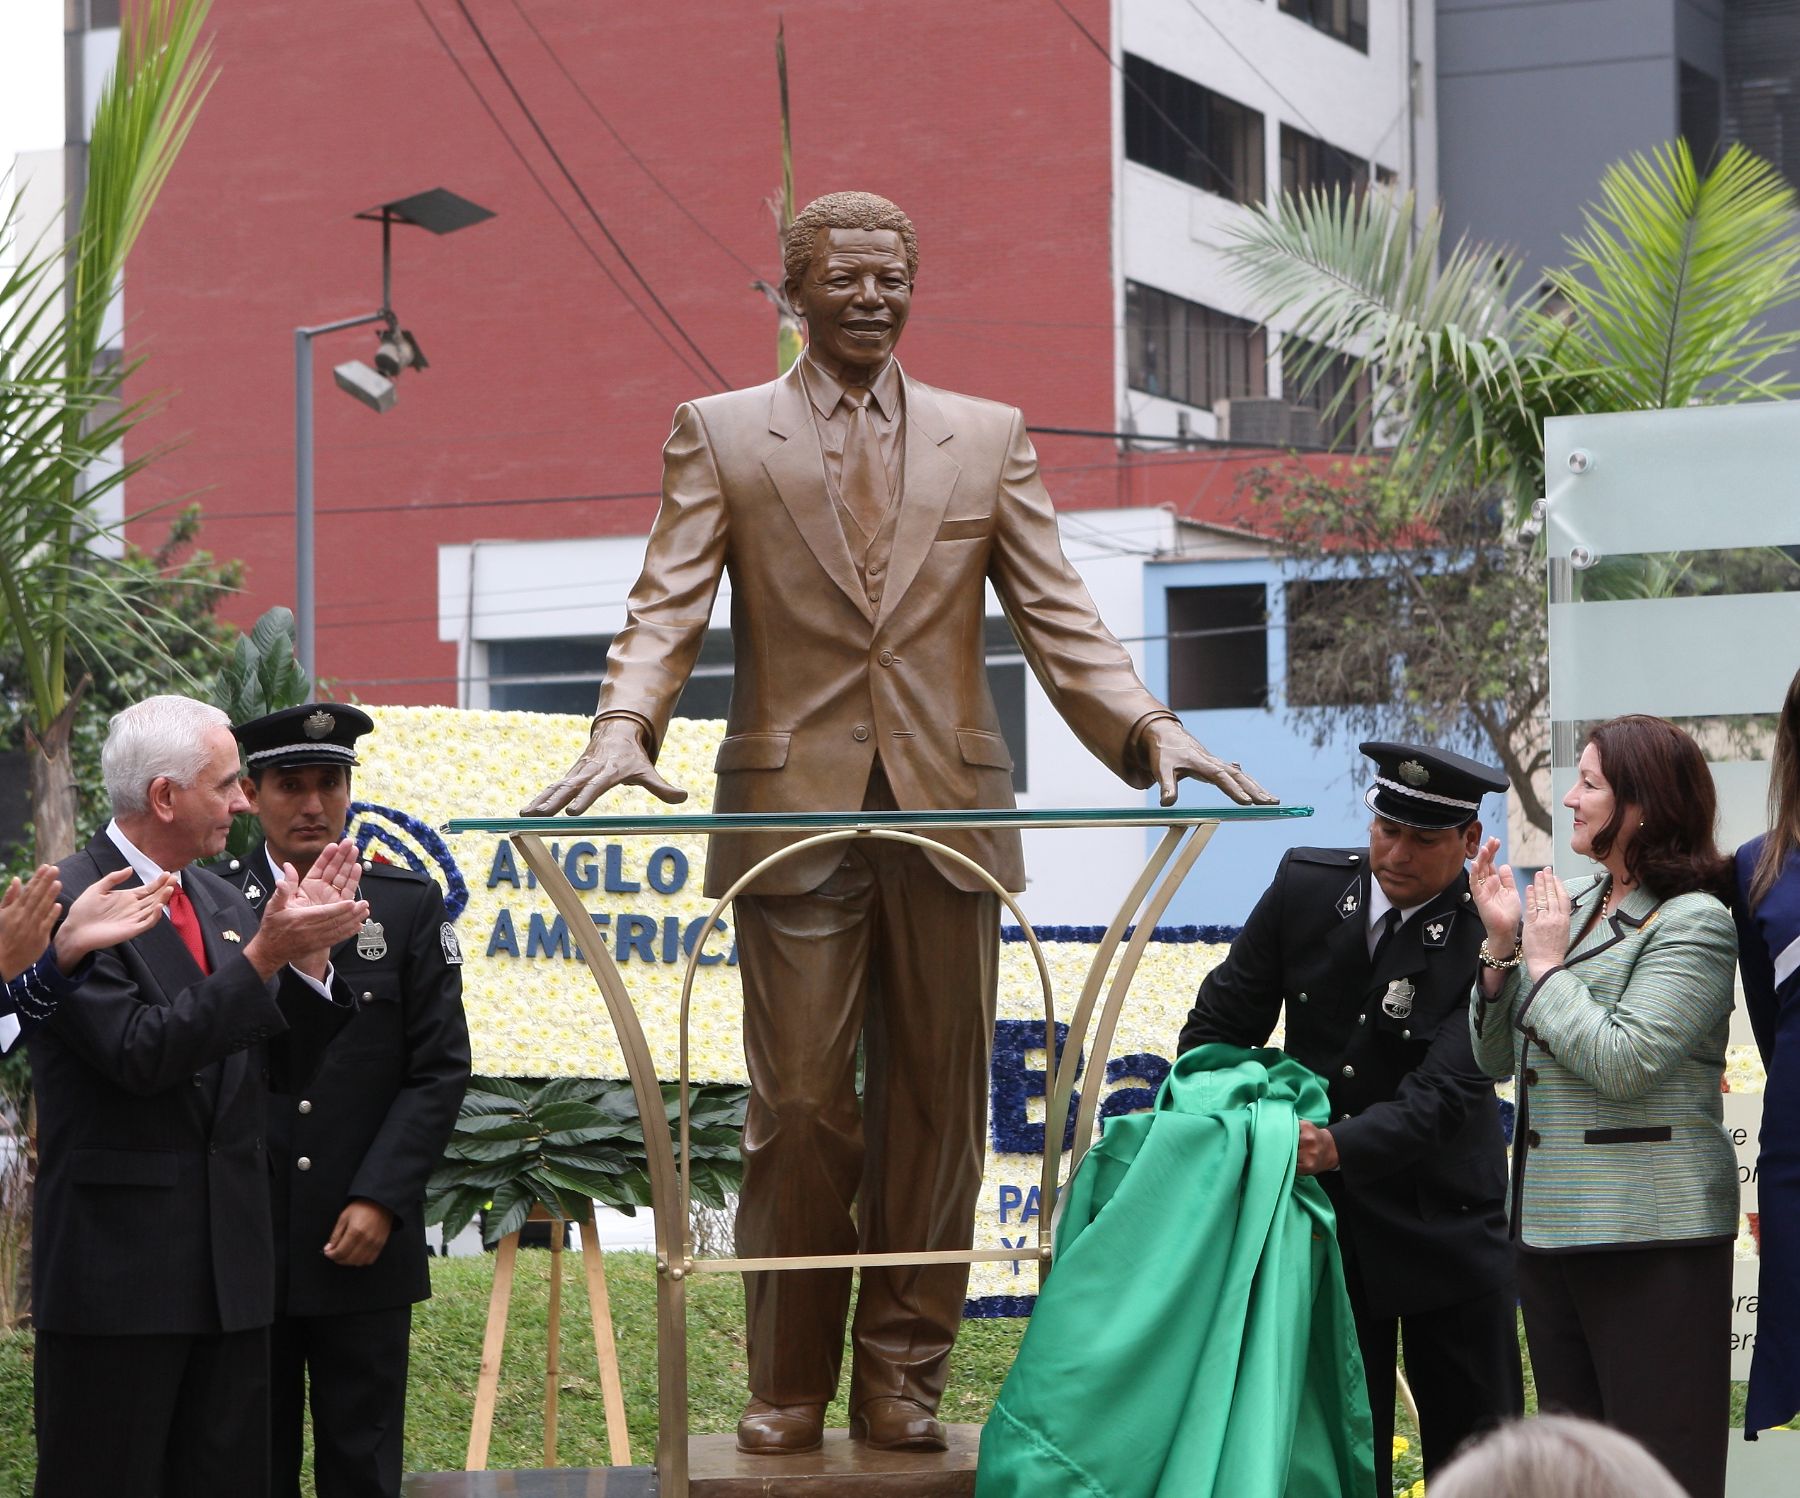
(1171, 752)
(614, 756)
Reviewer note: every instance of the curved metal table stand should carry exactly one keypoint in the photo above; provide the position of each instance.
(1186, 832)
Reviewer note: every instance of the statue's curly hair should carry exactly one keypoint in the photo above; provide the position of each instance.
(844, 210)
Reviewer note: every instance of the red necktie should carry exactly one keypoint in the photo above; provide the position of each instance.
(183, 919)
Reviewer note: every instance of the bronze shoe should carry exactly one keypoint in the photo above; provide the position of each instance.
(895, 1423)
(766, 1429)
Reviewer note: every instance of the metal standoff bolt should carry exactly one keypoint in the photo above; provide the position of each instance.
(1580, 460)
(1580, 558)
(1539, 508)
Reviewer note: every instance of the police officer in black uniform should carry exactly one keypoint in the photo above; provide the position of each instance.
(1372, 951)
(365, 1121)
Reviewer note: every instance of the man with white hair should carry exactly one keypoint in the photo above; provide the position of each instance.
(153, 1270)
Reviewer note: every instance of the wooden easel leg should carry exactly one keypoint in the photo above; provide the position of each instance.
(487, 1385)
(553, 1344)
(618, 1438)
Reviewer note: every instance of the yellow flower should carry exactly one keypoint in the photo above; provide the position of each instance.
(1401, 1447)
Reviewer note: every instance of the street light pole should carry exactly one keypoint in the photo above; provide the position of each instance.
(303, 481)
(441, 212)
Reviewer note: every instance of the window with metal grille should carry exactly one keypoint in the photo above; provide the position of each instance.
(1174, 126)
(1187, 352)
(1331, 384)
(1309, 164)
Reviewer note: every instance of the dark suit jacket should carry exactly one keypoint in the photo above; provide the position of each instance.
(371, 1109)
(834, 667)
(152, 1211)
(1421, 1184)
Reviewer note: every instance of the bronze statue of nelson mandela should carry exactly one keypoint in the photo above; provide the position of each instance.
(860, 515)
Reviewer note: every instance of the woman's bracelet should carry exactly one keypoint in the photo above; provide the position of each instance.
(1488, 959)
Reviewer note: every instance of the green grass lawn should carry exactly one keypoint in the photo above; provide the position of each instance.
(446, 1353)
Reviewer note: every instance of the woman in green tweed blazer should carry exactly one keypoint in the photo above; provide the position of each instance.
(1610, 1005)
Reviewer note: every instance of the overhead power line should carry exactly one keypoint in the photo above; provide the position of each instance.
(550, 197)
(586, 202)
(1144, 94)
(636, 160)
(1269, 83)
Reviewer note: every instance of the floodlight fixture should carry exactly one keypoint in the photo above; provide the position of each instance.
(376, 391)
(399, 350)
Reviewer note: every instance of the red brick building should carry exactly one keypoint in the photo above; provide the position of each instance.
(550, 389)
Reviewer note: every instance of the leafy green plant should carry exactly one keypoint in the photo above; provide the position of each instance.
(567, 1143)
(63, 403)
(1665, 301)
(261, 677)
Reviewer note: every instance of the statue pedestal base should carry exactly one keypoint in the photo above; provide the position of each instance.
(841, 1468)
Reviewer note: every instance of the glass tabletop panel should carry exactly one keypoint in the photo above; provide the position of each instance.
(850, 821)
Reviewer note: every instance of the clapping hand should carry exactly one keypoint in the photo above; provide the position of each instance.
(305, 918)
(335, 875)
(27, 916)
(1546, 923)
(1496, 899)
(104, 915)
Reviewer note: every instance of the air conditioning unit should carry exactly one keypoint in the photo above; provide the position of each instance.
(1266, 421)
(1260, 420)
(1304, 427)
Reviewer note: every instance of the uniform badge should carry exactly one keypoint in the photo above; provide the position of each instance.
(1351, 900)
(1437, 931)
(452, 947)
(1397, 1002)
(1413, 773)
(318, 724)
(371, 942)
(253, 892)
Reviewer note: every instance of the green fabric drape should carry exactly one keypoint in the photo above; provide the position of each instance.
(1194, 1338)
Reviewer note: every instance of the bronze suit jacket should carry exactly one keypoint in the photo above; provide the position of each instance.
(831, 668)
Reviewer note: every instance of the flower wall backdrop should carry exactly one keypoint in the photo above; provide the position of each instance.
(534, 1010)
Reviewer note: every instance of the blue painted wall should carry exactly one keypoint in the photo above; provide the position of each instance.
(1239, 862)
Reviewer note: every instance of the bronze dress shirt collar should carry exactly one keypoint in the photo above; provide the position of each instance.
(825, 389)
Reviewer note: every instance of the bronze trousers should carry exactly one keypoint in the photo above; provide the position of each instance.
(887, 951)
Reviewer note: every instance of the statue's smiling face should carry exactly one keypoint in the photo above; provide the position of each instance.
(854, 296)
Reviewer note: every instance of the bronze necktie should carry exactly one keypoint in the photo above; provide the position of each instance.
(864, 484)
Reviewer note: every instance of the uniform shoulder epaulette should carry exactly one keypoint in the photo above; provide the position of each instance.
(1331, 858)
(392, 870)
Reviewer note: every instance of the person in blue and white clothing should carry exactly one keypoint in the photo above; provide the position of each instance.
(38, 973)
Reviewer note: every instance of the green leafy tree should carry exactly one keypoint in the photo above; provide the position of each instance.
(62, 404)
(170, 640)
(260, 676)
(1401, 631)
(1663, 303)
